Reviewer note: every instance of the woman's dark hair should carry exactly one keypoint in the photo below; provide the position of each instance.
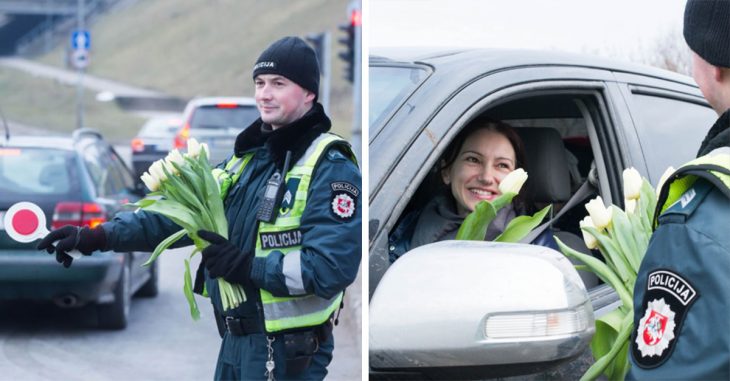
(521, 201)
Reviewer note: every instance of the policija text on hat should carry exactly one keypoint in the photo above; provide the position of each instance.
(294, 219)
(682, 290)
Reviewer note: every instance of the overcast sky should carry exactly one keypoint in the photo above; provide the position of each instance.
(618, 28)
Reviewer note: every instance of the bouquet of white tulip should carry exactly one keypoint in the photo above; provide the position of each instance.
(622, 237)
(475, 225)
(185, 191)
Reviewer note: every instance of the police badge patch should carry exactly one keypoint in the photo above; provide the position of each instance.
(344, 199)
(666, 301)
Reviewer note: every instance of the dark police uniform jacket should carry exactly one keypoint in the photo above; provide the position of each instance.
(682, 291)
(331, 245)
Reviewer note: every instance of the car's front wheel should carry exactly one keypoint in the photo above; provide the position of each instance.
(116, 314)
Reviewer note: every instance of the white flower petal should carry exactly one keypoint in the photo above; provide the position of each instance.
(632, 183)
(512, 183)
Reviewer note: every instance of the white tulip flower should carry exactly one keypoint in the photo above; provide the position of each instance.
(632, 183)
(174, 157)
(600, 215)
(193, 148)
(630, 206)
(512, 183)
(589, 239)
(156, 170)
(668, 172)
(151, 182)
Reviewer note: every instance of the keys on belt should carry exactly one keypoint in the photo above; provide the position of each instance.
(242, 326)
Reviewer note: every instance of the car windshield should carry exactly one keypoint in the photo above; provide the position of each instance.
(215, 117)
(35, 171)
(389, 87)
(160, 127)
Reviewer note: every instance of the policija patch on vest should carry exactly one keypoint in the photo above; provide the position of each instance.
(344, 199)
(666, 302)
(280, 240)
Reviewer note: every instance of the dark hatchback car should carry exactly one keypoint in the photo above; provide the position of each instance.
(456, 309)
(153, 142)
(79, 181)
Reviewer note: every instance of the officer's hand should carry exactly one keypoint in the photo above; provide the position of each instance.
(70, 237)
(223, 259)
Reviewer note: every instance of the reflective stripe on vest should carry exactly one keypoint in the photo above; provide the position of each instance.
(714, 167)
(303, 310)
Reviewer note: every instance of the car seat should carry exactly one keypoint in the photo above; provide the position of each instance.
(550, 183)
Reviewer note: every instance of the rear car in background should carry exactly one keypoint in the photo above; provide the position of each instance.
(153, 142)
(79, 181)
(216, 121)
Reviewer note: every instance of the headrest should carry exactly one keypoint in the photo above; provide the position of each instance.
(547, 164)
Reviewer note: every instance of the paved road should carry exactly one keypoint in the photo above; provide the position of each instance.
(162, 342)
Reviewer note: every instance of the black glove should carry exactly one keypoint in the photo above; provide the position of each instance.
(223, 259)
(70, 237)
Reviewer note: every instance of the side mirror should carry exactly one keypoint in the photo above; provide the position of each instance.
(459, 308)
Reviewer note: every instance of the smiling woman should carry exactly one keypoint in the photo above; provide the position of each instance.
(470, 171)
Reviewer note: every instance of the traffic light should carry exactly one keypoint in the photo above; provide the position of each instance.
(348, 54)
(317, 40)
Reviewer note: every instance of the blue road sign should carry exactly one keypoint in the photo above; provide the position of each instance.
(80, 40)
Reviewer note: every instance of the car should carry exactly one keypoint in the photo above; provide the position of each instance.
(78, 180)
(457, 309)
(216, 121)
(153, 142)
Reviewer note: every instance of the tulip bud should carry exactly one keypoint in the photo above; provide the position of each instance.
(204, 147)
(632, 183)
(630, 206)
(512, 183)
(600, 215)
(193, 148)
(156, 170)
(174, 157)
(150, 181)
(588, 238)
(668, 172)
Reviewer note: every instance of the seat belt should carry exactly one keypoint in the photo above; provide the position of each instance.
(584, 191)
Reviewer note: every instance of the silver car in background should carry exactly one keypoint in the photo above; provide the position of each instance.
(216, 121)
(153, 142)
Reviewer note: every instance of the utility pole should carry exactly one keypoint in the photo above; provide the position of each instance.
(80, 70)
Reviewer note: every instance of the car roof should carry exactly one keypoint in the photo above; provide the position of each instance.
(60, 141)
(205, 101)
(482, 60)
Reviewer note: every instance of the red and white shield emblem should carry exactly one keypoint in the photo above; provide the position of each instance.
(656, 328)
(343, 205)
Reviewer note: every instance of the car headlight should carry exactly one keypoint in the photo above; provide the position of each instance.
(537, 324)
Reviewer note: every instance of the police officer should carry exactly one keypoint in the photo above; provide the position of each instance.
(294, 217)
(682, 291)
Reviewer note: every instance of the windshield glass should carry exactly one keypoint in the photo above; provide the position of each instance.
(35, 171)
(389, 87)
(214, 117)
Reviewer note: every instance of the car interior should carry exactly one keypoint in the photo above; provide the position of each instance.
(560, 160)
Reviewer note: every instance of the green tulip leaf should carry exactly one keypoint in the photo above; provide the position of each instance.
(188, 290)
(474, 227)
(521, 226)
(164, 245)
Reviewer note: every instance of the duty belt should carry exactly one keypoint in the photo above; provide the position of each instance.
(242, 326)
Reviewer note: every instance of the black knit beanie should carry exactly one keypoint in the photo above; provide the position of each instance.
(292, 58)
(707, 30)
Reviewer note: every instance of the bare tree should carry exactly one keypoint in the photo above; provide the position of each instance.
(669, 52)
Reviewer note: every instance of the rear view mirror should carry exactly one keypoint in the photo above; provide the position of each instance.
(460, 308)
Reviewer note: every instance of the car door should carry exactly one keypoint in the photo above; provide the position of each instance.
(433, 130)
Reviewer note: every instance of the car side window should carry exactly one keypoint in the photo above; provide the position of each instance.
(670, 130)
(100, 169)
(124, 180)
